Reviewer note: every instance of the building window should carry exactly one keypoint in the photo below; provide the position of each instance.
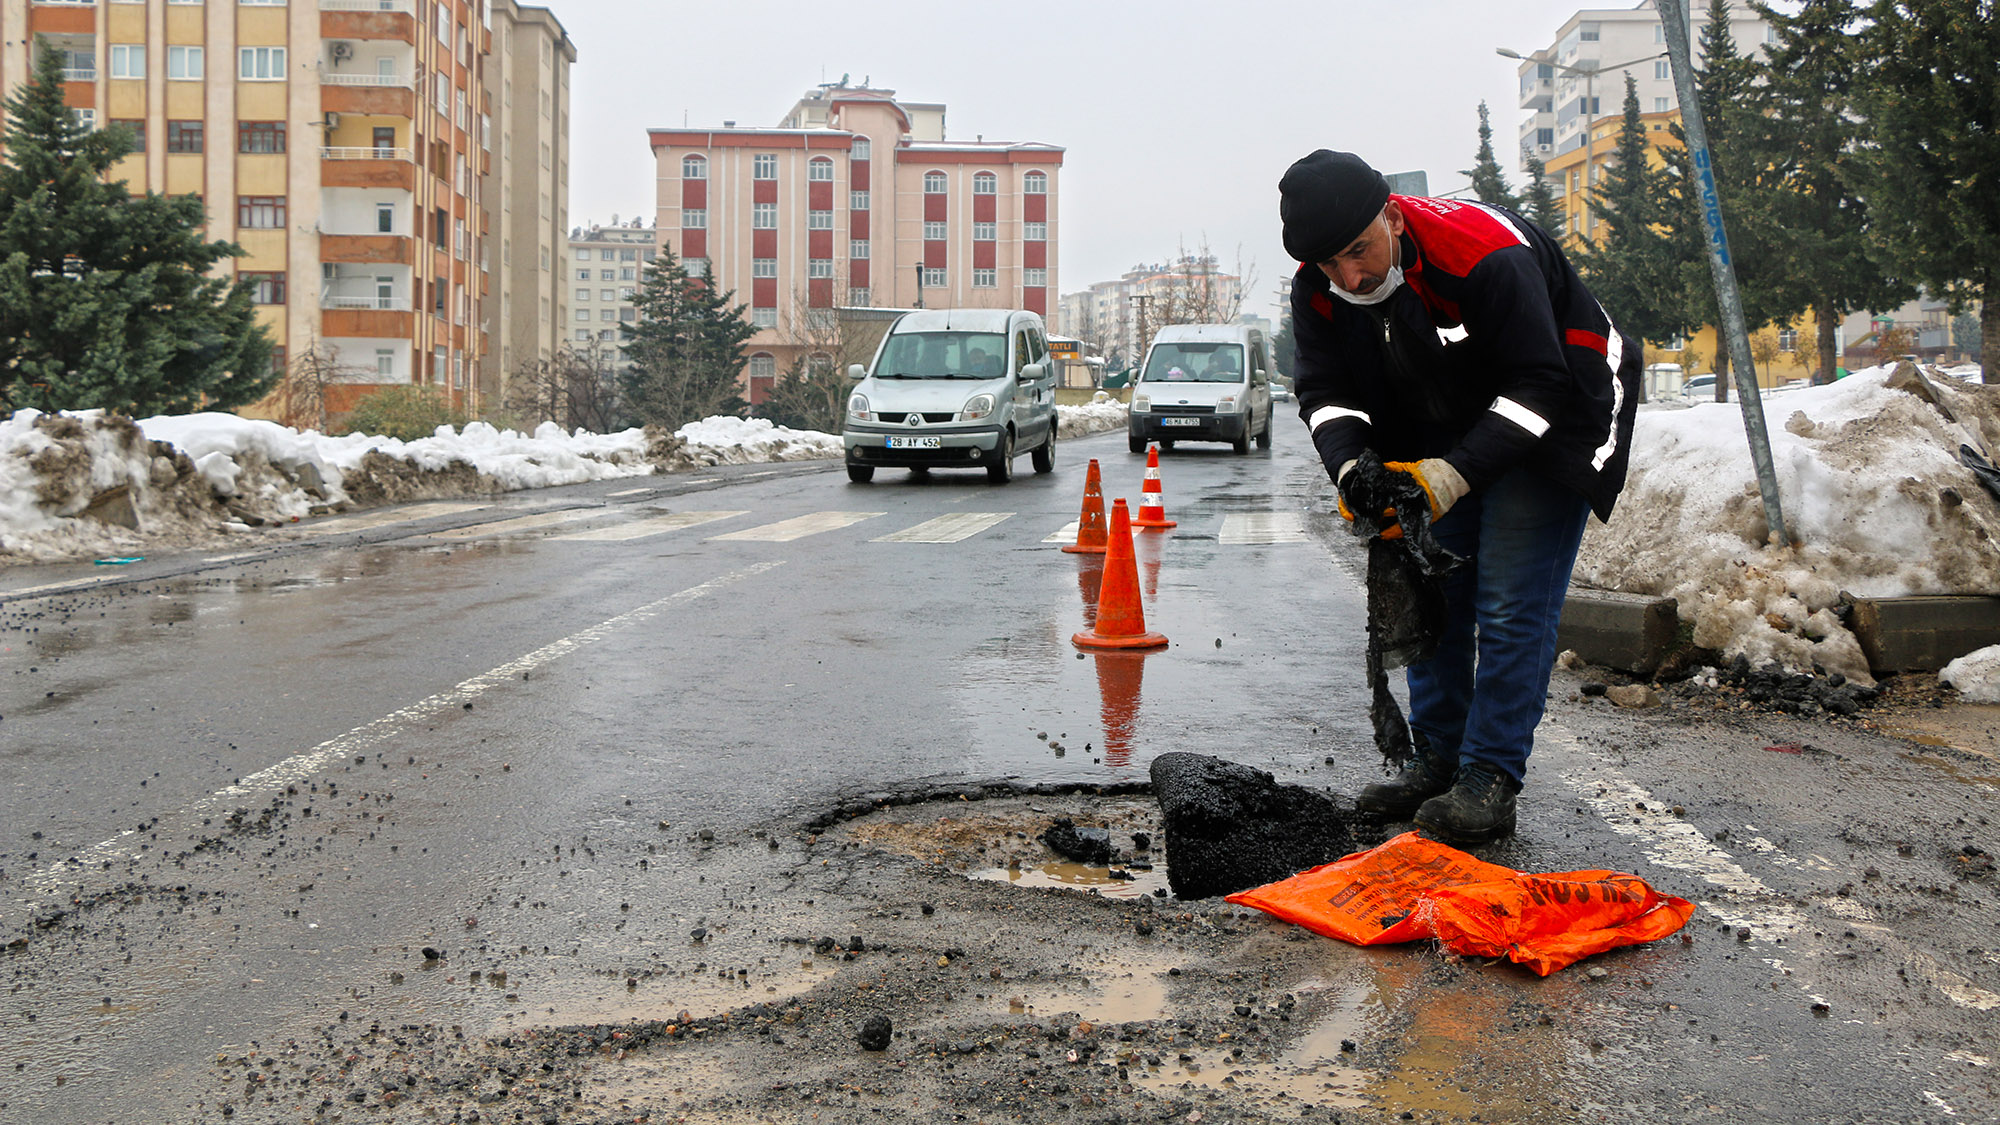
(260, 64)
(1659, 105)
(582, 295)
(1035, 278)
(128, 60)
(985, 278)
(583, 275)
(985, 183)
(602, 275)
(857, 200)
(934, 183)
(819, 220)
(385, 218)
(763, 267)
(820, 168)
(857, 249)
(385, 364)
(819, 267)
(1788, 339)
(694, 168)
(763, 366)
(694, 218)
(607, 315)
(696, 267)
(859, 151)
(86, 117)
(1035, 232)
(984, 232)
(764, 216)
(584, 335)
(933, 277)
(185, 63)
(933, 231)
(1660, 70)
(627, 256)
(607, 295)
(627, 273)
(628, 315)
(260, 212)
(184, 136)
(583, 255)
(858, 295)
(137, 127)
(262, 3)
(764, 318)
(260, 136)
(1035, 183)
(764, 166)
(583, 315)
(265, 288)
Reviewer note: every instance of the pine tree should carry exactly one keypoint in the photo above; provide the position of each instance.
(106, 300)
(1284, 349)
(1933, 108)
(1808, 97)
(686, 349)
(1488, 183)
(1539, 199)
(1635, 268)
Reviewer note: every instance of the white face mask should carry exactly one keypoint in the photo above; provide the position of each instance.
(1390, 283)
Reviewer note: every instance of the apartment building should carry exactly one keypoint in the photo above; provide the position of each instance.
(606, 265)
(855, 199)
(526, 194)
(1118, 317)
(339, 142)
(1574, 92)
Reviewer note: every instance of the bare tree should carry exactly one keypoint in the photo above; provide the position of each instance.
(572, 387)
(594, 401)
(311, 372)
(1192, 290)
(811, 393)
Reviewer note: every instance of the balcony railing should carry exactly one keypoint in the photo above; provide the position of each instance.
(334, 79)
(404, 6)
(349, 152)
(79, 74)
(329, 299)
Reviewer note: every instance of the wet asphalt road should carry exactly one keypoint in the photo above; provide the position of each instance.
(258, 789)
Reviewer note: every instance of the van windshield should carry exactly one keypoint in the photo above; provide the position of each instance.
(1194, 363)
(943, 355)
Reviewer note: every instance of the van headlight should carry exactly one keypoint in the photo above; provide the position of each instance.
(976, 407)
(1141, 404)
(1226, 404)
(857, 407)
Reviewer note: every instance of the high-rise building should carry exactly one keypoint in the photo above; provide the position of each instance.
(526, 195)
(1119, 317)
(339, 142)
(606, 266)
(856, 198)
(1574, 92)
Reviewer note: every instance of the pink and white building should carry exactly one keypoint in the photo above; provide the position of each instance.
(856, 199)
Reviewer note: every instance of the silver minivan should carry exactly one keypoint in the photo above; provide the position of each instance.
(1202, 382)
(954, 388)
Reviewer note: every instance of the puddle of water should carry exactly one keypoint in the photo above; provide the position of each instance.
(1957, 770)
(1112, 992)
(1078, 877)
(1314, 1071)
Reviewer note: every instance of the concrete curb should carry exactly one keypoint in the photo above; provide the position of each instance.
(1635, 632)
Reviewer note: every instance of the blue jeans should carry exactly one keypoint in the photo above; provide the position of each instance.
(1481, 696)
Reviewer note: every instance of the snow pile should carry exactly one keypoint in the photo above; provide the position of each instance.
(741, 441)
(1976, 675)
(1101, 413)
(1874, 500)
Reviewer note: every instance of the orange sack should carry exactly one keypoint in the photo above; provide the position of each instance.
(1412, 888)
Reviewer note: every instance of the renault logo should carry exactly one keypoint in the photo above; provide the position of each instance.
(914, 420)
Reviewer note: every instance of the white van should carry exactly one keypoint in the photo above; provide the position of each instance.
(951, 388)
(1202, 382)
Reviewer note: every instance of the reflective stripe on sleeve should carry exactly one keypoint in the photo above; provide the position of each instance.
(1327, 414)
(1521, 416)
(1614, 355)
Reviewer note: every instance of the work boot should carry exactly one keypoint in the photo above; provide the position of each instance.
(1478, 808)
(1422, 777)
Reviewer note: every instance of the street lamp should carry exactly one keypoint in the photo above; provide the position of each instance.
(920, 285)
(1590, 74)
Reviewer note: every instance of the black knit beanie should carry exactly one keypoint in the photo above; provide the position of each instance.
(1326, 199)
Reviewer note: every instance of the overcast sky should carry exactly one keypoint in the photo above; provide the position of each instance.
(1178, 116)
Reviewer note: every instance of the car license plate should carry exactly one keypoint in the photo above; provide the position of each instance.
(1180, 421)
(915, 442)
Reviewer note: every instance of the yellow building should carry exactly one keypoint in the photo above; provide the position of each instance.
(340, 142)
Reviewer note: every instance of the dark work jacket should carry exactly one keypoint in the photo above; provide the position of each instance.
(1538, 378)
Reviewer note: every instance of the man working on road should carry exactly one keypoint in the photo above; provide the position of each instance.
(1512, 434)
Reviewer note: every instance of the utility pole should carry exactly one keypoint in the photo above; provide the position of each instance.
(1674, 19)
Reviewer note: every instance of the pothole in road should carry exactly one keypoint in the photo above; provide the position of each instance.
(1001, 841)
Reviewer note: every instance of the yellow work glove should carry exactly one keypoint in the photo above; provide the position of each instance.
(1442, 484)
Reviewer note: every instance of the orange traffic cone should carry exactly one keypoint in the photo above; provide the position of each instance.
(1090, 534)
(1121, 621)
(1152, 504)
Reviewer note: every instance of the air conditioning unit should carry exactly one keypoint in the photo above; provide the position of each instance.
(342, 50)
(1543, 148)
(333, 120)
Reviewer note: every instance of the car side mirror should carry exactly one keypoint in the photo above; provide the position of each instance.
(856, 371)
(1032, 372)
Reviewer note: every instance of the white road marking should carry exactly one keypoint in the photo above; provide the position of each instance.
(55, 587)
(1066, 535)
(520, 523)
(639, 529)
(629, 492)
(367, 520)
(945, 529)
(303, 766)
(1258, 528)
(798, 527)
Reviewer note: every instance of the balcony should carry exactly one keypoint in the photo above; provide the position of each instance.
(367, 249)
(331, 298)
(368, 19)
(371, 97)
